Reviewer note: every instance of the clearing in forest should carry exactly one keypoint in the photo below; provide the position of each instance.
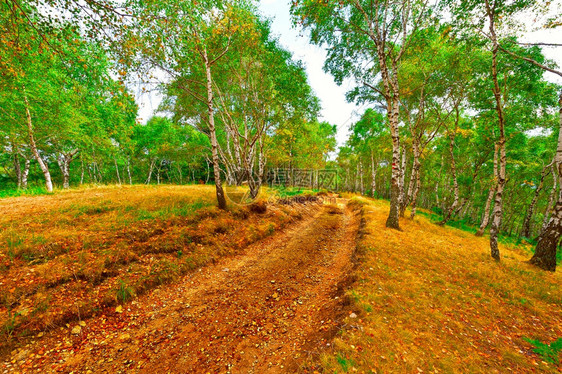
(266, 308)
(67, 256)
(309, 289)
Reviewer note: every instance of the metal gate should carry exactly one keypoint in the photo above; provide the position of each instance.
(304, 178)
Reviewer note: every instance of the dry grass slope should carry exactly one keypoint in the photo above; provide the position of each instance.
(66, 256)
(430, 299)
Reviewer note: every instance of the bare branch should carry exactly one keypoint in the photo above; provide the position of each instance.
(375, 89)
(541, 44)
(544, 67)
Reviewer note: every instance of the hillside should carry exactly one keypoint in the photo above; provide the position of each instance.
(430, 299)
(156, 279)
(69, 255)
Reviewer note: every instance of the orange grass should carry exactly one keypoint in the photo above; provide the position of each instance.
(430, 299)
(68, 255)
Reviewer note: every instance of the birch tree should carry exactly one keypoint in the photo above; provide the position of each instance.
(365, 39)
(184, 40)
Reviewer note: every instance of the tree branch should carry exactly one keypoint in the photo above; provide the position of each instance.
(544, 67)
(375, 89)
(541, 44)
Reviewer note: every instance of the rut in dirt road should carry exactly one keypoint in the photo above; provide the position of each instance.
(264, 311)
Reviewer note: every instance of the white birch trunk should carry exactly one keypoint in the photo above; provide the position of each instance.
(34, 150)
(25, 173)
(373, 176)
(550, 199)
(221, 199)
(117, 171)
(545, 252)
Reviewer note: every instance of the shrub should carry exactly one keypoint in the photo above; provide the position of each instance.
(548, 352)
(259, 207)
(124, 292)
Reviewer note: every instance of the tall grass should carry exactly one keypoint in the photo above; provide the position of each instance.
(29, 191)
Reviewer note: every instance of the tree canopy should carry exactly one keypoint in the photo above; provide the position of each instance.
(461, 118)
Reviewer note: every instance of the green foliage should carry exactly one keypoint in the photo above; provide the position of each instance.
(344, 362)
(221, 61)
(30, 191)
(124, 292)
(548, 352)
(284, 191)
(82, 115)
(10, 324)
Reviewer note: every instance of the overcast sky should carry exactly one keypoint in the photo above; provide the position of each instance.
(335, 109)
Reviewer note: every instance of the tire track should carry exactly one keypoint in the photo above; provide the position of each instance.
(266, 310)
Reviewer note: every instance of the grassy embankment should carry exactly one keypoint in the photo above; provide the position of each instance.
(29, 191)
(430, 299)
(66, 255)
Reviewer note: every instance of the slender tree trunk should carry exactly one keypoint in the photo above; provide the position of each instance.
(403, 197)
(117, 171)
(362, 186)
(180, 173)
(395, 186)
(63, 161)
(453, 207)
(221, 200)
(99, 176)
(208, 172)
(25, 173)
(253, 184)
(392, 97)
(90, 174)
(413, 186)
(316, 182)
(373, 176)
(550, 199)
(486, 215)
(129, 172)
(498, 207)
(501, 176)
(151, 168)
(33, 146)
(158, 172)
(416, 188)
(545, 252)
(66, 159)
(262, 161)
(82, 172)
(491, 193)
(66, 173)
(356, 189)
(526, 229)
(17, 166)
(407, 198)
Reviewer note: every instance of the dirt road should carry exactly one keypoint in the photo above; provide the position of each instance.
(266, 310)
